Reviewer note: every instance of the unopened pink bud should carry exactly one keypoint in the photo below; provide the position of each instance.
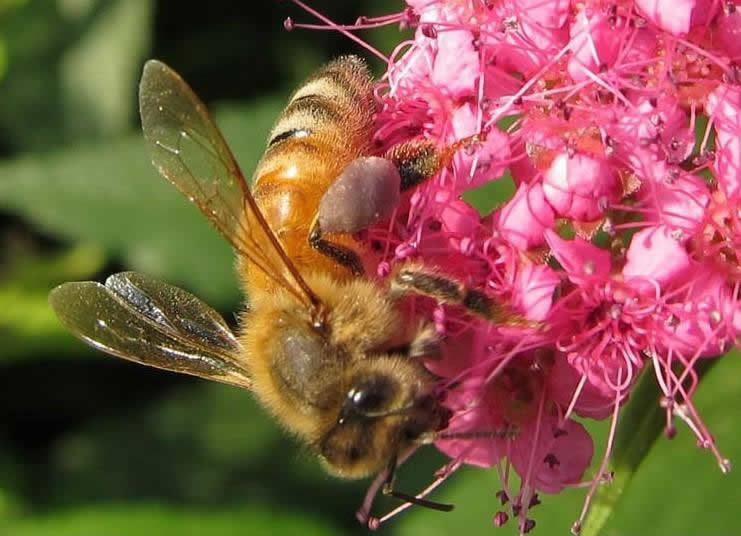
(580, 187)
(655, 254)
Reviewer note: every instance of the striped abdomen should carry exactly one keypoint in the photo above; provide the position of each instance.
(327, 123)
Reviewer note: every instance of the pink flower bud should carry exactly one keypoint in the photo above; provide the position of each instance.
(679, 199)
(678, 16)
(580, 186)
(457, 65)
(457, 217)
(656, 255)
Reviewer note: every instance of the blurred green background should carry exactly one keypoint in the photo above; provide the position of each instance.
(93, 445)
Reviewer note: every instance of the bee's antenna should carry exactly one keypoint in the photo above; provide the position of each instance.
(502, 433)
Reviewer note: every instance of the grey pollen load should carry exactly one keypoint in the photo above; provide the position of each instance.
(367, 191)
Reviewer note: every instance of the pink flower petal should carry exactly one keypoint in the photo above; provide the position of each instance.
(728, 162)
(595, 42)
(419, 5)
(472, 413)
(723, 106)
(561, 455)
(563, 382)
(550, 14)
(706, 320)
(525, 217)
(525, 45)
(579, 258)
(533, 138)
(728, 32)
(488, 157)
(532, 292)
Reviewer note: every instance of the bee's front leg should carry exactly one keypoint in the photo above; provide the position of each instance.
(388, 489)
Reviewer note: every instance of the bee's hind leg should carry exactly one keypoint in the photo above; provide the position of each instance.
(342, 255)
(419, 160)
(366, 192)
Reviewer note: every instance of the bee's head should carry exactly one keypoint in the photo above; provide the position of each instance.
(389, 407)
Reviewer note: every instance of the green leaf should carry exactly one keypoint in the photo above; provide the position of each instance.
(641, 423)
(204, 447)
(28, 326)
(99, 72)
(679, 488)
(109, 194)
(492, 194)
(32, 273)
(69, 67)
(166, 519)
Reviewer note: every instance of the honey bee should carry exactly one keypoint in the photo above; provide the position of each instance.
(325, 349)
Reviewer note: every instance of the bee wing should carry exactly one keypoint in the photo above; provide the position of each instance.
(189, 151)
(141, 319)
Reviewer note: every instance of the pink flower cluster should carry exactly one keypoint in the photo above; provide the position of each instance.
(619, 122)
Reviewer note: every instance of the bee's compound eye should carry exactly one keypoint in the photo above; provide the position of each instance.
(370, 396)
(364, 401)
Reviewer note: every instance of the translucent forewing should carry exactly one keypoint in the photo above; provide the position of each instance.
(150, 322)
(189, 151)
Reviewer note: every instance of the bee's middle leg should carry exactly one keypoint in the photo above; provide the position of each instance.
(419, 279)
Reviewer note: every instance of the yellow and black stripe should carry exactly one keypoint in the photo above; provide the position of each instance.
(329, 116)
